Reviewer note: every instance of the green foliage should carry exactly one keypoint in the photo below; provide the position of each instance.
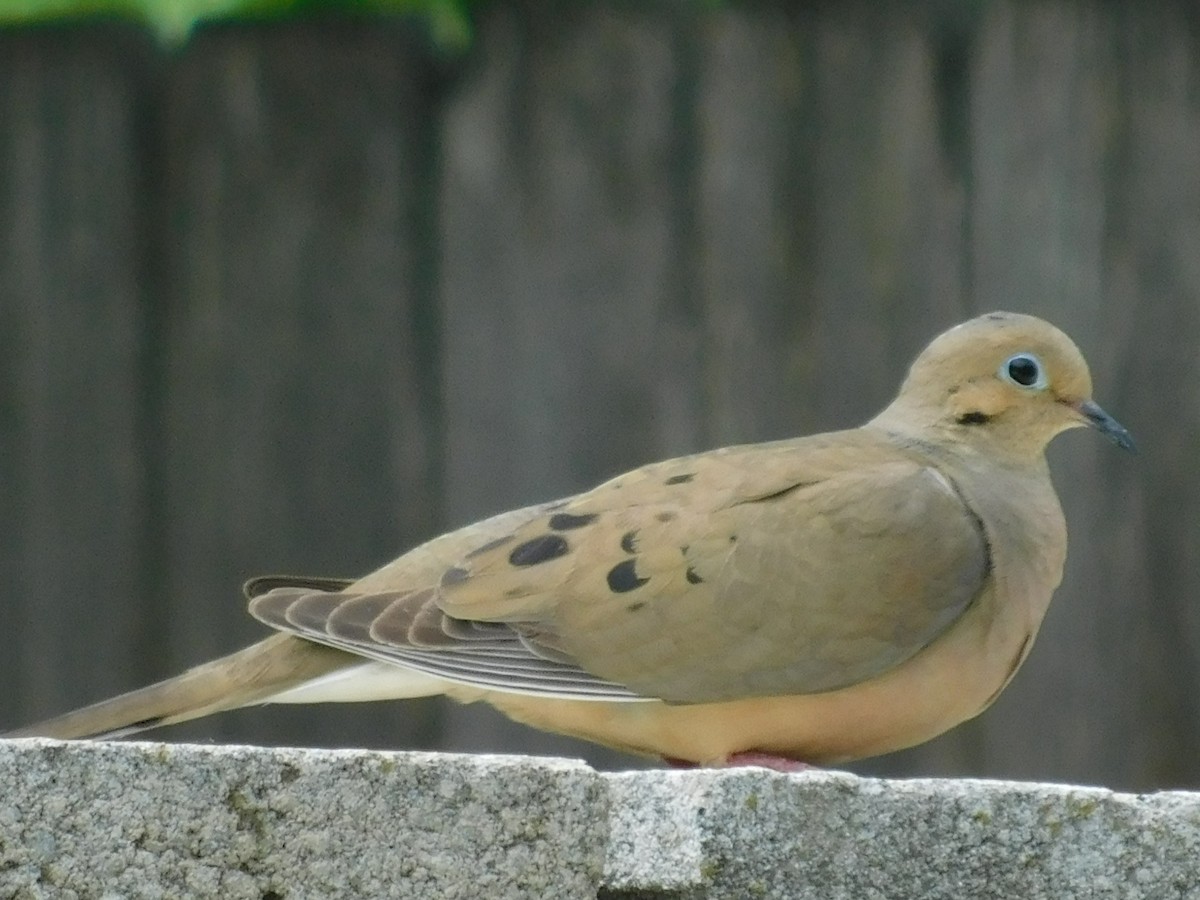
(447, 20)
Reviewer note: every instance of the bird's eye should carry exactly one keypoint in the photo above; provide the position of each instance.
(1024, 370)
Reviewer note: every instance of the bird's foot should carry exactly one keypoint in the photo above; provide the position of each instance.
(765, 761)
(750, 758)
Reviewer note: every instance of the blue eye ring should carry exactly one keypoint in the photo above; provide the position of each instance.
(1025, 371)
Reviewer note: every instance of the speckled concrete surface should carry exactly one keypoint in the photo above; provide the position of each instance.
(833, 836)
(152, 820)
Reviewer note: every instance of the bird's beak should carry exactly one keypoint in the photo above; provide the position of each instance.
(1095, 417)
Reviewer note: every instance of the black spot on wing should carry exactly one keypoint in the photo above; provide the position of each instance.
(454, 575)
(538, 550)
(623, 577)
(665, 516)
(680, 479)
(692, 577)
(629, 541)
(489, 546)
(567, 521)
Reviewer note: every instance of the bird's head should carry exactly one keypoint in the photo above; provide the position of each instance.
(1005, 380)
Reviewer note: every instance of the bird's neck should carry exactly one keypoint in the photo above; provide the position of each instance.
(986, 443)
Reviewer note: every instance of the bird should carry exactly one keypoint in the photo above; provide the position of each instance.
(806, 601)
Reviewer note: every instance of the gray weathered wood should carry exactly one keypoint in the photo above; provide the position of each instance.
(72, 448)
(1041, 80)
(1141, 612)
(570, 345)
(752, 244)
(296, 429)
(831, 214)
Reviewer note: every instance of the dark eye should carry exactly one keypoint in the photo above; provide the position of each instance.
(1024, 370)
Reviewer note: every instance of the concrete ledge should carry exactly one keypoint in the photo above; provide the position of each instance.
(158, 820)
(155, 820)
(834, 836)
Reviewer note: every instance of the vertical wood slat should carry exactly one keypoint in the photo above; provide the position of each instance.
(1061, 94)
(1042, 86)
(1151, 330)
(71, 448)
(887, 210)
(831, 227)
(753, 238)
(296, 428)
(560, 272)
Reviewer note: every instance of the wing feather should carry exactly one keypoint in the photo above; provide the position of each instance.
(749, 571)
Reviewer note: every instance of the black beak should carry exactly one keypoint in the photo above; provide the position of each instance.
(1097, 418)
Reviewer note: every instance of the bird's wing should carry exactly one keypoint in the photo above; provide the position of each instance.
(784, 568)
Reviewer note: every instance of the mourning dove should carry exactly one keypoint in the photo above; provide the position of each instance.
(819, 599)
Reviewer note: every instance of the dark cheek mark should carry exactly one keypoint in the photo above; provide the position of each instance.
(692, 577)
(975, 417)
(623, 577)
(454, 575)
(634, 607)
(680, 479)
(629, 541)
(489, 546)
(665, 516)
(567, 521)
(538, 550)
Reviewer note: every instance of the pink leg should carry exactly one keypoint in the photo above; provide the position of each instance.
(766, 761)
(749, 758)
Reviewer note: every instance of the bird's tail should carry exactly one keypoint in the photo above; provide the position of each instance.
(249, 676)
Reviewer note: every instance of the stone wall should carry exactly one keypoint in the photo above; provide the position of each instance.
(160, 820)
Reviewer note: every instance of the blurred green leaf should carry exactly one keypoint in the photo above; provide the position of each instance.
(447, 20)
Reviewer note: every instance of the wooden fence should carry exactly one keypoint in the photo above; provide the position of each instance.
(296, 296)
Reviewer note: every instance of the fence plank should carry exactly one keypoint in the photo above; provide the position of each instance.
(71, 449)
(1145, 665)
(297, 407)
(831, 238)
(570, 345)
(1041, 82)
(830, 218)
(753, 242)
